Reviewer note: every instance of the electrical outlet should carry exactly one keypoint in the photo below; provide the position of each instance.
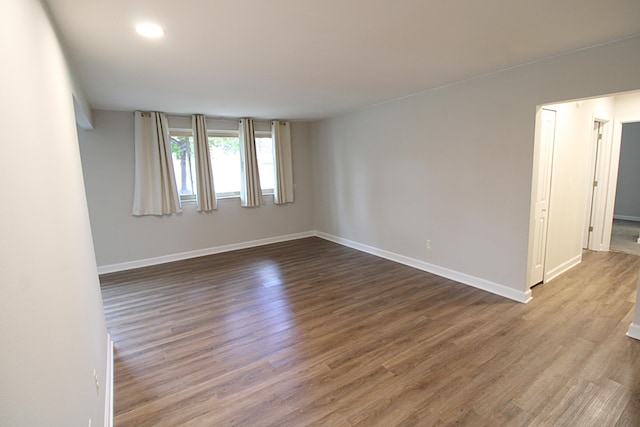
(429, 244)
(95, 378)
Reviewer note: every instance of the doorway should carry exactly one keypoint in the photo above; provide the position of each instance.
(626, 211)
(607, 206)
(583, 159)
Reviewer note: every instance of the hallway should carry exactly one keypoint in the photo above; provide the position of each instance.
(624, 237)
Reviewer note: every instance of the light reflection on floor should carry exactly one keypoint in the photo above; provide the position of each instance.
(275, 315)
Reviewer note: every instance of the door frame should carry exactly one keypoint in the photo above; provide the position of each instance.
(608, 205)
(596, 200)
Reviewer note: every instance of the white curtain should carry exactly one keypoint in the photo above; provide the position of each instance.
(206, 195)
(250, 192)
(283, 186)
(155, 191)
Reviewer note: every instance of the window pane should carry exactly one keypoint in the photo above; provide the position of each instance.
(264, 152)
(183, 163)
(225, 162)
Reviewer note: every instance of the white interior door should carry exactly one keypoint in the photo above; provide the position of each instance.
(543, 190)
(592, 200)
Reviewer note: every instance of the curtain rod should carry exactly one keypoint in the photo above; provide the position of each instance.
(224, 118)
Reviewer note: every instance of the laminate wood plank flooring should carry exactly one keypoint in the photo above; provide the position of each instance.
(309, 332)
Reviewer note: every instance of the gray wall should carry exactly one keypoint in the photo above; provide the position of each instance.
(628, 191)
(107, 160)
(52, 326)
(454, 165)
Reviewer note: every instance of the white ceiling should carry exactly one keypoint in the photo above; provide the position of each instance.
(297, 59)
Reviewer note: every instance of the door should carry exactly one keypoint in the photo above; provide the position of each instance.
(592, 199)
(543, 190)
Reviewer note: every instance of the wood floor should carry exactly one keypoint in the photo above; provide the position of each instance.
(312, 333)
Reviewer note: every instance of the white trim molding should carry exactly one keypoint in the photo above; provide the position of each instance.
(565, 266)
(634, 331)
(130, 265)
(523, 296)
(108, 391)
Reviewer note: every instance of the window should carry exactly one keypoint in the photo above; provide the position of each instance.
(184, 166)
(225, 162)
(264, 152)
(224, 148)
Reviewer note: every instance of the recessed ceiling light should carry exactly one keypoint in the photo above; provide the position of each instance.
(149, 30)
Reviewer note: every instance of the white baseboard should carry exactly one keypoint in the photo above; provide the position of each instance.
(627, 217)
(634, 331)
(486, 285)
(108, 384)
(112, 268)
(565, 266)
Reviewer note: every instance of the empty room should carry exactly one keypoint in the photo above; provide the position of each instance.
(340, 213)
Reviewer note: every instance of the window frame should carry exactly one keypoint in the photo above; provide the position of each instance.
(192, 198)
(224, 134)
(235, 134)
(266, 134)
(186, 198)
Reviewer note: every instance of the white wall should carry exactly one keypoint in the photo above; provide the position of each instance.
(52, 326)
(628, 189)
(627, 105)
(454, 165)
(108, 165)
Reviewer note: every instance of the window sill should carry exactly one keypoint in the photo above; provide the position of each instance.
(238, 196)
(229, 197)
(225, 197)
(188, 199)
